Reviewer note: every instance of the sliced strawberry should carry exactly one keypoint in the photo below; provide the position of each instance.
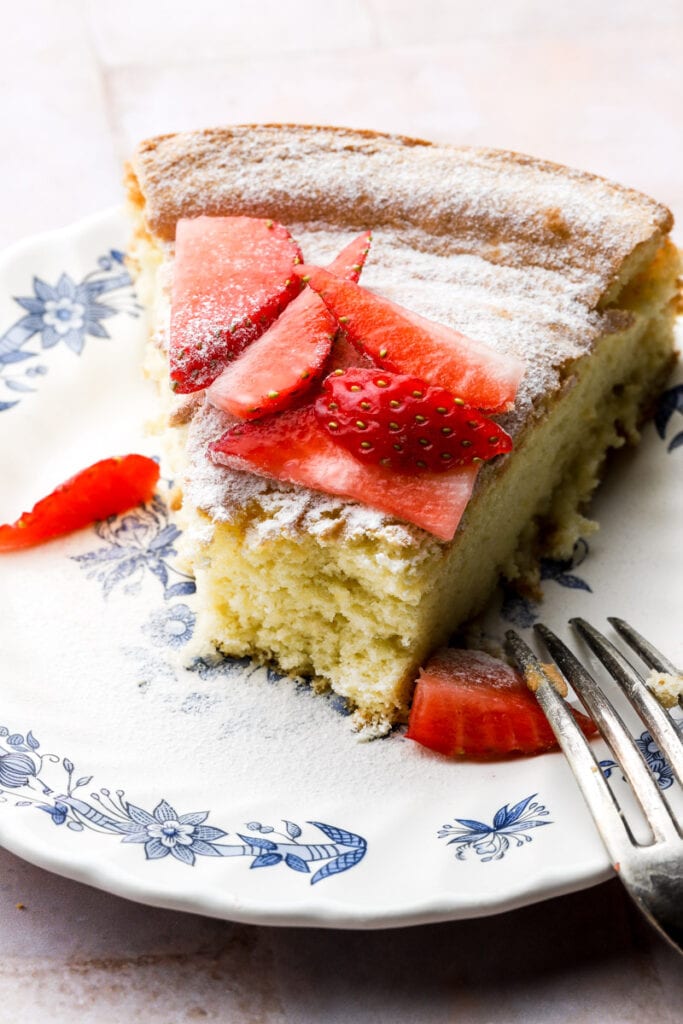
(232, 277)
(399, 340)
(397, 421)
(280, 365)
(343, 356)
(468, 704)
(292, 446)
(287, 360)
(104, 489)
(349, 264)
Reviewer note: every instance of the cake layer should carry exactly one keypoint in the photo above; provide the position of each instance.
(572, 273)
(360, 612)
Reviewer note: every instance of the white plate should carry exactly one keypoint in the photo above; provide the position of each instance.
(226, 790)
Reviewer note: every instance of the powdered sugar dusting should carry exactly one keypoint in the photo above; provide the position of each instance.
(224, 494)
(510, 209)
(511, 251)
(536, 317)
(471, 668)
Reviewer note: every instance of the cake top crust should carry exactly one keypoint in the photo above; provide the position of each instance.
(509, 209)
(524, 255)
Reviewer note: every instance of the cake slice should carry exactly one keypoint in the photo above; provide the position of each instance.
(570, 273)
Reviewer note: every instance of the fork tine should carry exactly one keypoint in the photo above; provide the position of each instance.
(601, 802)
(661, 726)
(616, 735)
(650, 655)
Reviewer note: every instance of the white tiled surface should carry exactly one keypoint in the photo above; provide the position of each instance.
(598, 85)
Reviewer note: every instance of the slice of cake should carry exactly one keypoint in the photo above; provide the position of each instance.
(569, 273)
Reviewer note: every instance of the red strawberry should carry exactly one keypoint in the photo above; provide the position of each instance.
(285, 361)
(292, 446)
(104, 489)
(397, 421)
(347, 266)
(468, 704)
(232, 278)
(343, 356)
(399, 340)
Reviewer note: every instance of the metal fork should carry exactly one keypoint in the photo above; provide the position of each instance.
(651, 872)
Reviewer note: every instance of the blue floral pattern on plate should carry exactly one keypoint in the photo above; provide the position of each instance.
(521, 610)
(171, 626)
(670, 403)
(658, 765)
(65, 313)
(491, 842)
(29, 778)
(140, 544)
(137, 543)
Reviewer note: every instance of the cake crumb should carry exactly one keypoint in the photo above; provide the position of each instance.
(667, 687)
(550, 674)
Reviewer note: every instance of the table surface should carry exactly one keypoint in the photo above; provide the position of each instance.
(594, 85)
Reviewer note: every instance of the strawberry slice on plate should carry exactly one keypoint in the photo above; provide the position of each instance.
(468, 704)
(232, 278)
(294, 447)
(104, 489)
(399, 340)
(394, 420)
(284, 363)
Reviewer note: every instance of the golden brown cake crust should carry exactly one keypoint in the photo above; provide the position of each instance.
(514, 251)
(507, 208)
